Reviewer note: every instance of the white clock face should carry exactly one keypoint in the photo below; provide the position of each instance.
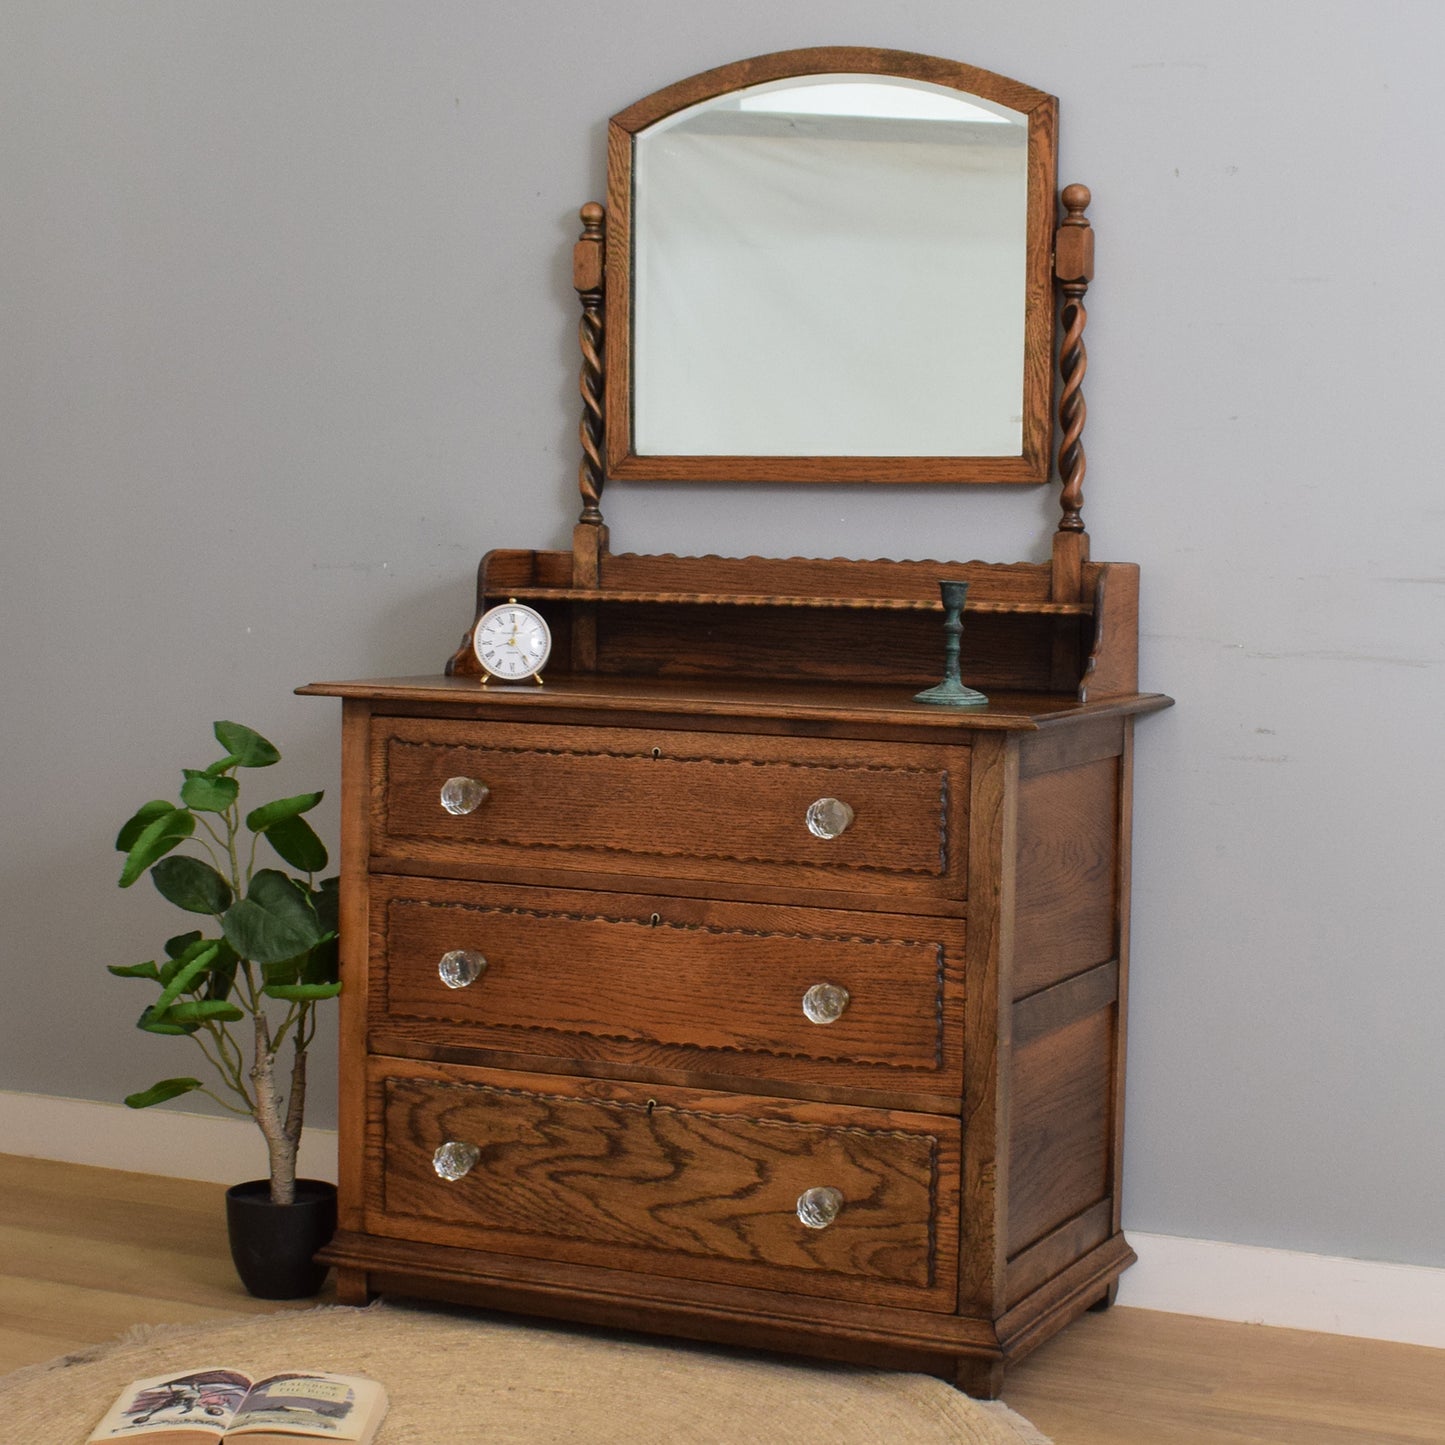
(512, 642)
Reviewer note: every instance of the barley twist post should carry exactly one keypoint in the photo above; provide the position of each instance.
(587, 280)
(1074, 269)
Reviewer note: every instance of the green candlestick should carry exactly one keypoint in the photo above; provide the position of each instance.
(952, 692)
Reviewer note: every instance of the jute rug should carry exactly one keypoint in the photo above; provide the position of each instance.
(463, 1378)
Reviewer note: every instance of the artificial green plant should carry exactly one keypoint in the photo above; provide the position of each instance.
(274, 959)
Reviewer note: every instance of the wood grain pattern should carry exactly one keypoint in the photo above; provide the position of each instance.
(1067, 873)
(826, 644)
(354, 965)
(1122, 893)
(687, 1182)
(1112, 666)
(770, 708)
(1048, 1257)
(1061, 1137)
(662, 803)
(673, 983)
(987, 1047)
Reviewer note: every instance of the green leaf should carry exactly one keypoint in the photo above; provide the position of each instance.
(222, 765)
(153, 1023)
(154, 841)
(206, 793)
(192, 885)
(274, 922)
(203, 1010)
(259, 819)
(296, 841)
(323, 963)
(249, 749)
(302, 992)
(176, 946)
(159, 1093)
(288, 970)
(134, 970)
(223, 972)
(185, 977)
(143, 816)
(179, 960)
(318, 965)
(326, 900)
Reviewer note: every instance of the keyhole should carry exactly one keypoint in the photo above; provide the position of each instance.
(654, 920)
(651, 1105)
(657, 752)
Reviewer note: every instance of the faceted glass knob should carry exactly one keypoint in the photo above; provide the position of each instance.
(828, 817)
(464, 795)
(824, 1002)
(455, 1159)
(461, 967)
(818, 1208)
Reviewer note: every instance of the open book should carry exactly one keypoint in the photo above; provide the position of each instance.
(202, 1407)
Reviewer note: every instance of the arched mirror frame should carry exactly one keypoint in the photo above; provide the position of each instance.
(1032, 465)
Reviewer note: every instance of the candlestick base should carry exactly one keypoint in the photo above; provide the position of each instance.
(952, 693)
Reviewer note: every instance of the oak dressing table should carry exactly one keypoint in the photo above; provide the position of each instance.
(730, 992)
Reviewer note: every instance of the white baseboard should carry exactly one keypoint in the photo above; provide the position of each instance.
(150, 1141)
(1179, 1276)
(1330, 1295)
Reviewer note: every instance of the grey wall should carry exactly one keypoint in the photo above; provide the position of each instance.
(288, 341)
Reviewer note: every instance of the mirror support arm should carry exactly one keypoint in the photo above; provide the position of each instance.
(587, 281)
(1073, 269)
(589, 536)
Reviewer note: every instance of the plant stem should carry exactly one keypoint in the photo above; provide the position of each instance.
(280, 1143)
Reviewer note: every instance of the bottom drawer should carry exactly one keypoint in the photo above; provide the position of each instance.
(812, 1198)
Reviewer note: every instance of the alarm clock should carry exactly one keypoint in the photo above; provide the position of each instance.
(512, 642)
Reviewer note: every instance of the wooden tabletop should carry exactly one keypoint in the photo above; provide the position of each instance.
(745, 698)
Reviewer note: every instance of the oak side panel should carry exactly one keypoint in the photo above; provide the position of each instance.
(1112, 666)
(1061, 1142)
(987, 1046)
(1068, 868)
(355, 972)
(1121, 1014)
(1050, 1256)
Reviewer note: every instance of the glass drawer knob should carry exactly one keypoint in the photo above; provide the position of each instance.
(824, 1002)
(461, 967)
(828, 817)
(454, 1159)
(464, 795)
(818, 1208)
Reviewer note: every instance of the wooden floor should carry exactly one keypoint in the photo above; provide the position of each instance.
(86, 1253)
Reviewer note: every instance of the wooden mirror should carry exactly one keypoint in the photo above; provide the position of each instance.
(832, 265)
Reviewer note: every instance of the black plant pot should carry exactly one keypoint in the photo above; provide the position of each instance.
(273, 1246)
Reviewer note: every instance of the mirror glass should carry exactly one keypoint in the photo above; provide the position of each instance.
(830, 265)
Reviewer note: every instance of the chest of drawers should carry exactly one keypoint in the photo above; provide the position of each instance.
(777, 1016)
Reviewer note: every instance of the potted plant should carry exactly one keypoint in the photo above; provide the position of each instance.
(245, 988)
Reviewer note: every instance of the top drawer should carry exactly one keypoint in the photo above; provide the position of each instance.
(662, 804)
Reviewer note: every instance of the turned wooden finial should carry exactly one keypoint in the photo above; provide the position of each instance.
(587, 281)
(1073, 269)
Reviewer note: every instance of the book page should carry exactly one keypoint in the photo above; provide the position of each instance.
(180, 1407)
(330, 1407)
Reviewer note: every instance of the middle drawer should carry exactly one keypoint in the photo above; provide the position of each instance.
(824, 996)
